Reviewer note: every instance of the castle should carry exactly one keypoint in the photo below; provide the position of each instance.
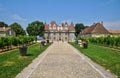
(59, 32)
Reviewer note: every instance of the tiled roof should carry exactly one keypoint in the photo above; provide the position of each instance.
(71, 27)
(3, 29)
(97, 28)
(46, 27)
(89, 30)
(52, 23)
(114, 31)
(64, 26)
(100, 29)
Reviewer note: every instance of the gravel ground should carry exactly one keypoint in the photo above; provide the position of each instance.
(61, 60)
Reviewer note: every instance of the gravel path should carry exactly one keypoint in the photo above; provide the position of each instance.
(61, 60)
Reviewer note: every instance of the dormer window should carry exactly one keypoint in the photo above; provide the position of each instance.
(66, 28)
(10, 32)
(65, 24)
(59, 33)
(54, 27)
(50, 28)
(60, 27)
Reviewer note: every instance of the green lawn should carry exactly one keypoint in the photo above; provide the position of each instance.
(12, 63)
(106, 57)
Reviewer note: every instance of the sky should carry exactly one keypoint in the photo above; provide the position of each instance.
(76, 11)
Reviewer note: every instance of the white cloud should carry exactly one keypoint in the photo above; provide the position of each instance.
(112, 24)
(18, 17)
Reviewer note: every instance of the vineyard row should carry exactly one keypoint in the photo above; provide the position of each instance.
(9, 41)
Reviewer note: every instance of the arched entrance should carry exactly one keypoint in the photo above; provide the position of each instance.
(59, 38)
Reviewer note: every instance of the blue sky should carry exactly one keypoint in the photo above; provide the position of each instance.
(76, 11)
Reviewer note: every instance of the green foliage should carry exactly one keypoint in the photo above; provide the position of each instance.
(107, 41)
(1, 43)
(15, 41)
(2, 24)
(83, 39)
(78, 28)
(106, 57)
(35, 28)
(26, 39)
(19, 40)
(12, 63)
(18, 29)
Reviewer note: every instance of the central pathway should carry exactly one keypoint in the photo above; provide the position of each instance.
(63, 61)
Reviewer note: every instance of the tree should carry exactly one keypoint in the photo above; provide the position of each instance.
(35, 28)
(2, 24)
(78, 28)
(18, 29)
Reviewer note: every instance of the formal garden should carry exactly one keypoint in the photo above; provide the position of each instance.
(104, 51)
(17, 52)
(11, 60)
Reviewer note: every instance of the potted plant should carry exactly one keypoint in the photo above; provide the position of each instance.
(47, 40)
(43, 42)
(23, 50)
(23, 47)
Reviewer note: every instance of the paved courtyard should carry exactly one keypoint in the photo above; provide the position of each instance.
(61, 60)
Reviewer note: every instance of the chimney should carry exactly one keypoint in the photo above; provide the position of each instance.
(94, 23)
(102, 22)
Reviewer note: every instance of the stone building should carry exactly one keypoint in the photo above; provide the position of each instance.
(7, 31)
(114, 32)
(59, 32)
(95, 30)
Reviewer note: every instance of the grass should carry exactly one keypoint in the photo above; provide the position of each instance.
(12, 63)
(106, 57)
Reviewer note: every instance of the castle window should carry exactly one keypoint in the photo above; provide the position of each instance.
(59, 33)
(66, 28)
(54, 38)
(66, 25)
(60, 27)
(50, 28)
(65, 33)
(54, 27)
(66, 38)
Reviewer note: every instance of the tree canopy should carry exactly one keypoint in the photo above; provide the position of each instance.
(35, 28)
(2, 24)
(78, 28)
(18, 29)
